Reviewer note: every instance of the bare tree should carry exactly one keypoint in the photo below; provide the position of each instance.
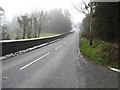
(34, 17)
(23, 22)
(41, 19)
(29, 29)
(38, 18)
(2, 16)
(87, 10)
(32, 21)
(3, 28)
(82, 8)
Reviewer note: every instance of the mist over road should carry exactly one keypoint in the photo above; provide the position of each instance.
(57, 65)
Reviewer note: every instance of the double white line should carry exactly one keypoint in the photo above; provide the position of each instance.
(34, 61)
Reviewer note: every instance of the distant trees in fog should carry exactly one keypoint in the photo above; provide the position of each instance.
(3, 29)
(30, 25)
(59, 21)
(31, 22)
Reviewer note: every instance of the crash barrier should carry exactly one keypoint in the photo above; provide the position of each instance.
(12, 46)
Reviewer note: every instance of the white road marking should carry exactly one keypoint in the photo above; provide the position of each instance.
(58, 47)
(114, 69)
(66, 41)
(34, 61)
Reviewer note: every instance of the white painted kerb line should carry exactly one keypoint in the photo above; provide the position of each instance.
(58, 47)
(34, 61)
(117, 70)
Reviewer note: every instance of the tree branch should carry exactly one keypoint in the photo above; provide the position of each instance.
(82, 11)
(86, 7)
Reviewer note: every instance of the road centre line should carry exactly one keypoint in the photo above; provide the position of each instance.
(58, 47)
(66, 41)
(33, 61)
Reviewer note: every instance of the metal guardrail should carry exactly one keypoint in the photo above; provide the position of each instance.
(12, 46)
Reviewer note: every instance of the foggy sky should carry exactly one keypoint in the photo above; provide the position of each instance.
(16, 7)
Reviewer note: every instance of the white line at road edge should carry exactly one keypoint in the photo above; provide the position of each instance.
(58, 47)
(34, 61)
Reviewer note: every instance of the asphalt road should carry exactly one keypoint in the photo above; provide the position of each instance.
(57, 65)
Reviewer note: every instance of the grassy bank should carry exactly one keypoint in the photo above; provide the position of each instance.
(47, 34)
(101, 52)
(13, 37)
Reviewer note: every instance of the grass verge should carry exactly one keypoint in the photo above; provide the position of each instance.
(98, 52)
(47, 34)
(13, 37)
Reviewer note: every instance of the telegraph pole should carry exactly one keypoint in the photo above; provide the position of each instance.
(91, 41)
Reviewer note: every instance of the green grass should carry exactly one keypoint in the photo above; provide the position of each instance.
(13, 37)
(47, 34)
(96, 53)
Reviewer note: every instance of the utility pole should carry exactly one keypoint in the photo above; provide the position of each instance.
(91, 11)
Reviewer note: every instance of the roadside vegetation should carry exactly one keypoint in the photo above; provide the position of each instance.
(13, 37)
(100, 38)
(47, 34)
(101, 52)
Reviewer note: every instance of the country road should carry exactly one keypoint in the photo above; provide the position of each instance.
(57, 65)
